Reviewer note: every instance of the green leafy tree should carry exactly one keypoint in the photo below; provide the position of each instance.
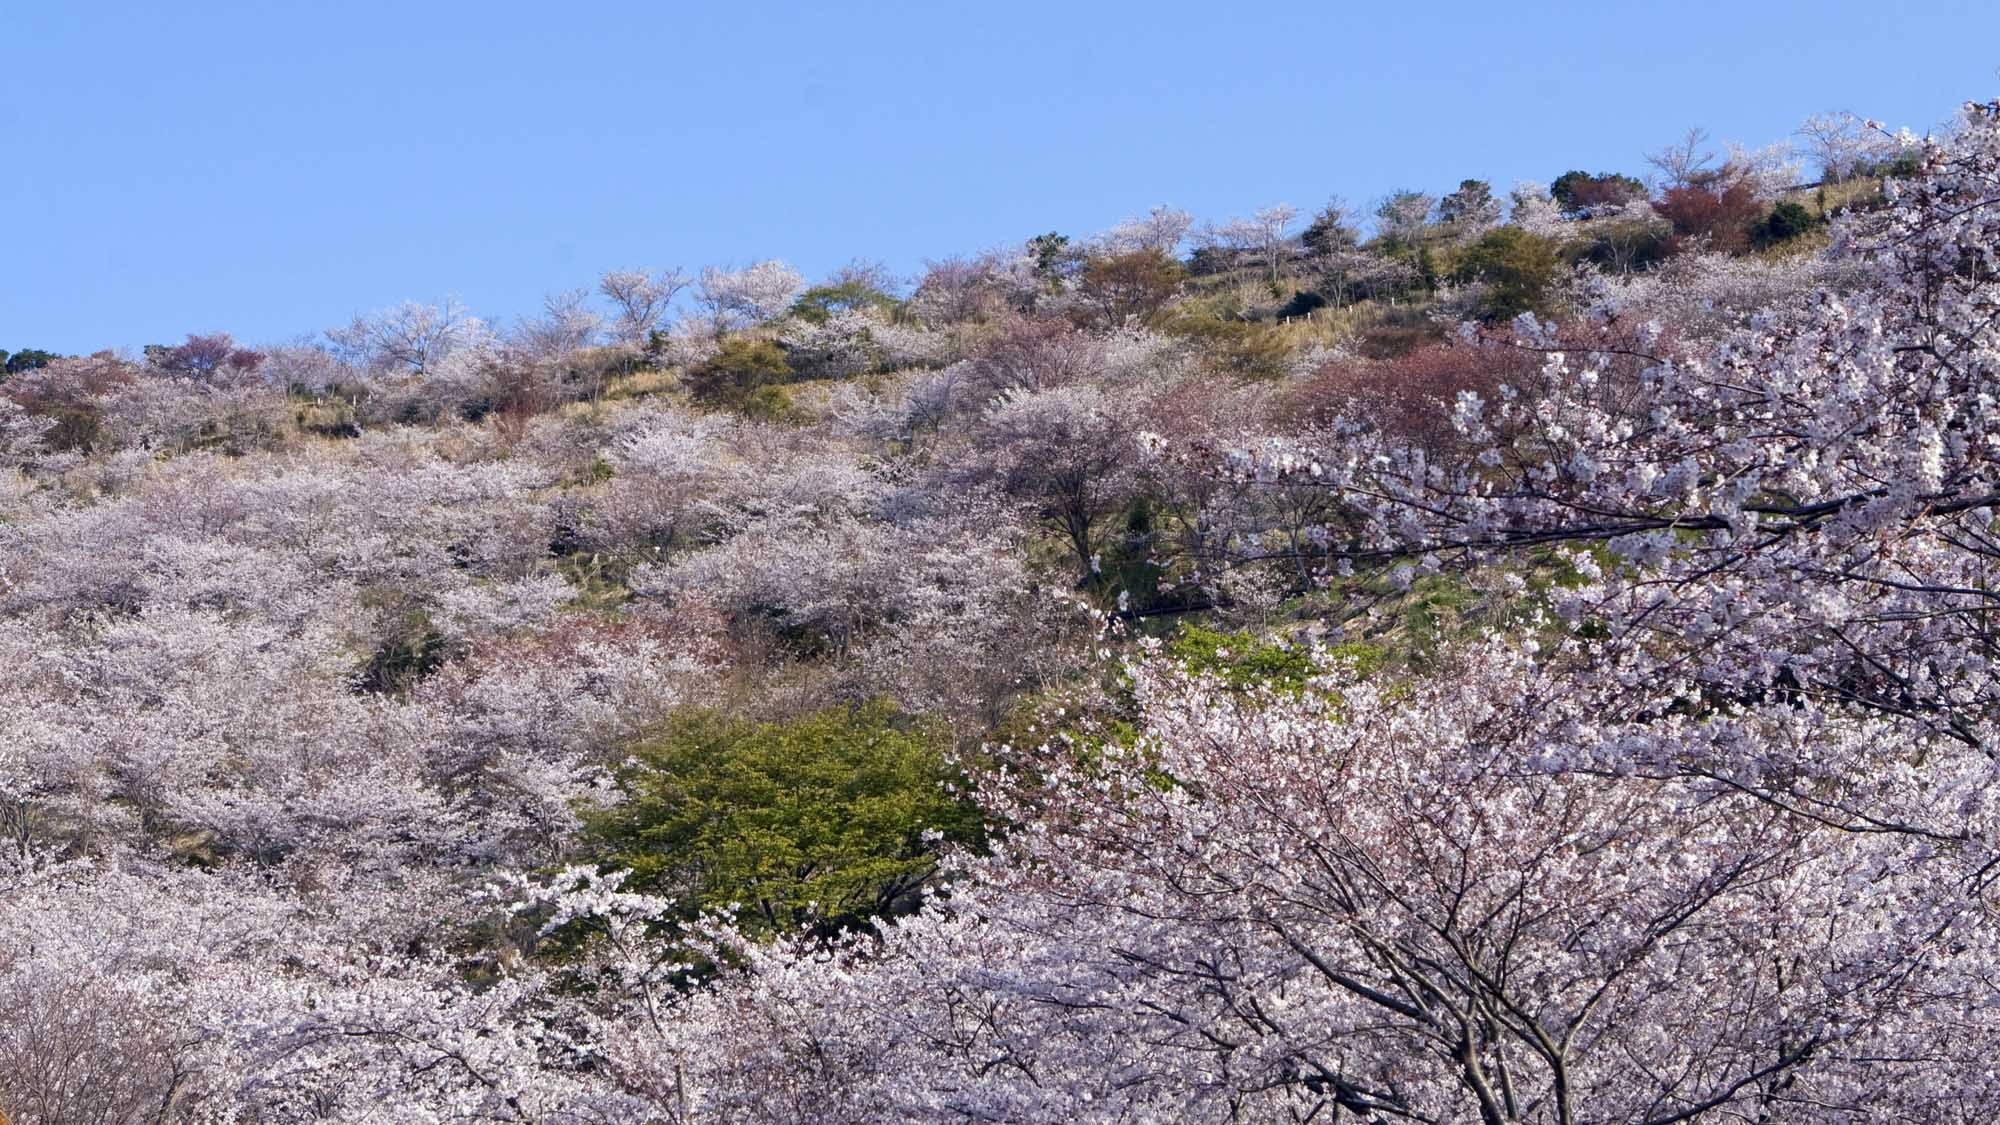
(1577, 192)
(1518, 269)
(1055, 260)
(745, 376)
(1135, 284)
(1471, 206)
(27, 359)
(822, 822)
(1331, 231)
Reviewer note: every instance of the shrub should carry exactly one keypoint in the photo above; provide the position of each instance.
(1722, 213)
(27, 359)
(1136, 284)
(1786, 221)
(1517, 268)
(740, 375)
(825, 821)
(1305, 302)
(1395, 332)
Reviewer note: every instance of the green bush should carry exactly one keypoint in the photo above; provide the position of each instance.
(820, 822)
(768, 404)
(1786, 221)
(1518, 269)
(1134, 284)
(742, 375)
(27, 359)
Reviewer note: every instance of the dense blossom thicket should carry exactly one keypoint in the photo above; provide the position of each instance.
(1533, 664)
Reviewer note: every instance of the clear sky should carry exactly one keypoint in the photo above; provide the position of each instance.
(272, 168)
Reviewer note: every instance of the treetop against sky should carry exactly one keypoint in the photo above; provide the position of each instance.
(268, 170)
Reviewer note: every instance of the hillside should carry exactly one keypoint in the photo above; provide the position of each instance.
(1520, 659)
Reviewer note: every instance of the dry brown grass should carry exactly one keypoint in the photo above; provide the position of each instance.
(1862, 194)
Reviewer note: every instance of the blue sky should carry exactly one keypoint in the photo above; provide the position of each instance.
(272, 168)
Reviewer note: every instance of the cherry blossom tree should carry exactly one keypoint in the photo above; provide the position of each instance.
(757, 293)
(1530, 207)
(1262, 237)
(1684, 161)
(204, 357)
(640, 300)
(1837, 143)
(1354, 898)
(1610, 737)
(1069, 452)
(1726, 563)
(411, 337)
(1161, 230)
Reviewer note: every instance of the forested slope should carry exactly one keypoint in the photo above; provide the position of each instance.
(1532, 661)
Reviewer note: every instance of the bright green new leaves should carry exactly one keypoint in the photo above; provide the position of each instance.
(824, 821)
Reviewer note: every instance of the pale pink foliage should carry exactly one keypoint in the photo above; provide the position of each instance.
(1710, 832)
